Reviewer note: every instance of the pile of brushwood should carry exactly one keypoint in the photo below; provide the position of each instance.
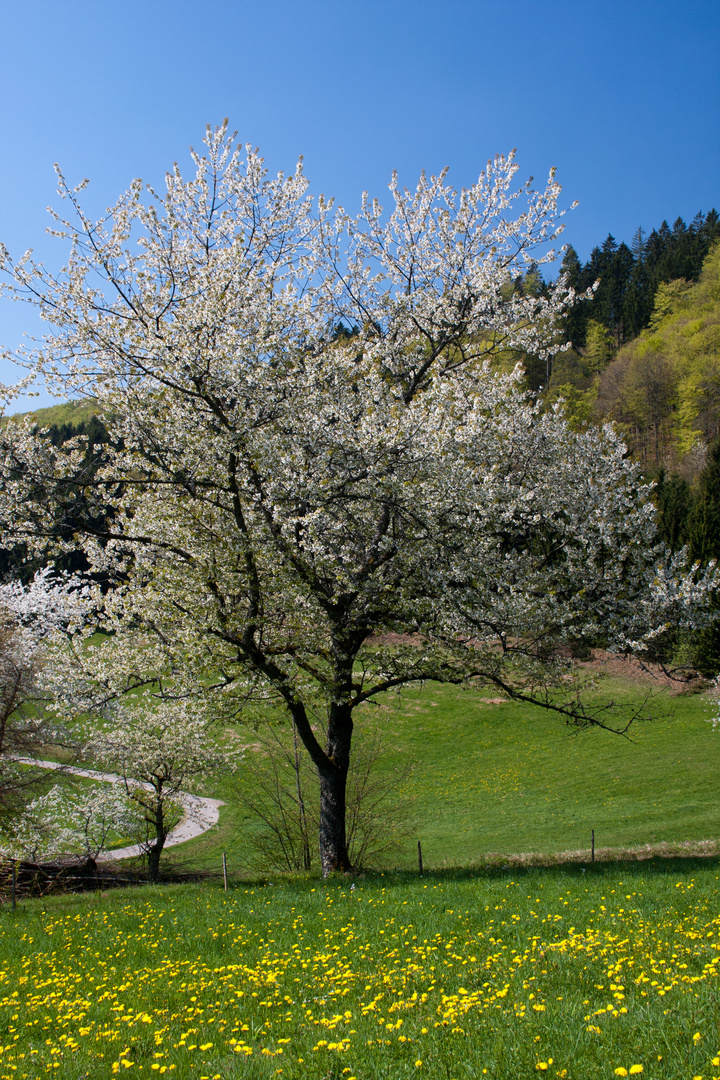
(73, 875)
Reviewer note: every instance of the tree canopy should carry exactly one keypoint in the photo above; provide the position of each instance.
(323, 489)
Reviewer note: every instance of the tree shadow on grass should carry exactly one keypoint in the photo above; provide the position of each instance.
(678, 863)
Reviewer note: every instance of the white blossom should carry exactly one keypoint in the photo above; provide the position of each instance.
(157, 750)
(314, 447)
(41, 683)
(68, 821)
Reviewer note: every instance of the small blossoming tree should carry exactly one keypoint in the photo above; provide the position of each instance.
(40, 686)
(313, 454)
(68, 821)
(157, 749)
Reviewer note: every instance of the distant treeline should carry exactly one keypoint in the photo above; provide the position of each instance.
(662, 388)
(629, 277)
(689, 516)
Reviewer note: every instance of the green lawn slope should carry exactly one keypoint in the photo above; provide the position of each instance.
(480, 968)
(65, 412)
(490, 780)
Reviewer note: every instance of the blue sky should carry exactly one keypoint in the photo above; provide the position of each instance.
(623, 97)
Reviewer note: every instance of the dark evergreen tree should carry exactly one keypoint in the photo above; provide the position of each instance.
(704, 524)
(638, 244)
(655, 249)
(598, 268)
(574, 324)
(637, 301)
(618, 278)
(674, 501)
(629, 277)
(704, 543)
(710, 230)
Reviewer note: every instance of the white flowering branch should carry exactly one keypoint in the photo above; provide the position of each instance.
(312, 449)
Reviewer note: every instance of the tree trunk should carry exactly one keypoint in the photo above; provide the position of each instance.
(154, 853)
(333, 782)
(304, 835)
(155, 849)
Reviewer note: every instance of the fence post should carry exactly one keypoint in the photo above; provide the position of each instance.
(14, 882)
(225, 870)
(420, 858)
(592, 848)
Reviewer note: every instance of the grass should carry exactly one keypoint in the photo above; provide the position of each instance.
(504, 778)
(484, 967)
(452, 976)
(491, 780)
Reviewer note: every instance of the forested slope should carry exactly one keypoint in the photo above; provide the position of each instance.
(662, 389)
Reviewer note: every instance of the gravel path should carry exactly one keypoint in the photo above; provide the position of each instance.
(199, 813)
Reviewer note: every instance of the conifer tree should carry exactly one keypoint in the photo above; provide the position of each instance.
(574, 322)
(704, 523)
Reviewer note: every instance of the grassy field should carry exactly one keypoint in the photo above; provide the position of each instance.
(482, 967)
(492, 779)
(603, 973)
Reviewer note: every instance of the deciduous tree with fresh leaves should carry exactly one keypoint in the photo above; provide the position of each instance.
(324, 489)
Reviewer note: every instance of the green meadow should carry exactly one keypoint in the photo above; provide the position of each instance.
(511, 956)
(611, 971)
(490, 780)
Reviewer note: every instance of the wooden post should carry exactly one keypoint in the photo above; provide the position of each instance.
(14, 883)
(592, 848)
(420, 858)
(225, 870)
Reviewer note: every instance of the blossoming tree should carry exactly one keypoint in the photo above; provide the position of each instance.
(36, 692)
(66, 821)
(157, 749)
(314, 455)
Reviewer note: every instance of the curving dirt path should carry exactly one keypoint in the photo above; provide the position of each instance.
(199, 813)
